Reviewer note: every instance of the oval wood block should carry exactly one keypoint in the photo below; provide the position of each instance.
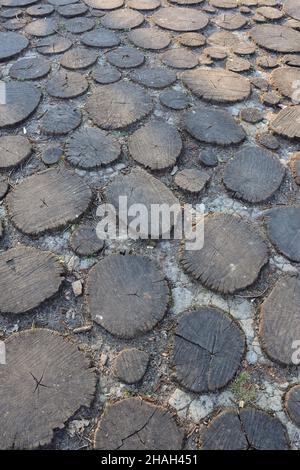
(48, 200)
(208, 349)
(283, 228)
(292, 404)
(217, 85)
(11, 44)
(276, 37)
(232, 255)
(254, 174)
(130, 365)
(118, 105)
(280, 320)
(127, 295)
(45, 381)
(247, 429)
(287, 81)
(141, 426)
(28, 276)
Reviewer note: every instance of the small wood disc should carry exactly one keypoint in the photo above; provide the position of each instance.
(280, 320)
(287, 122)
(143, 4)
(141, 188)
(11, 44)
(180, 19)
(292, 404)
(27, 277)
(174, 99)
(42, 27)
(100, 38)
(291, 8)
(79, 25)
(54, 380)
(192, 180)
(149, 38)
(156, 145)
(125, 57)
(21, 100)
(232, 255)
(130, 365)
(14, 149)
(208, 349)
(141, 426)
(105, 74)
(283, 228)
(104, 4)
(217, 85)
(91, 148)
(40, 10)
(155, 77)
(79, 58)
(213, 126)
(126, 295)
(84, 241)
(60, 120)
(254, 174)
(276, 38)
(48, 200)
(67, 85)
(180, 58)
(249, 428)
(29, 69)
(53, 45)
(122, 19)
(70, 11)
(231, 21)
(118, 105)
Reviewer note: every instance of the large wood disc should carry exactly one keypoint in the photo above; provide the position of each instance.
(91, 148)
(45, 381)
(292, 404)
(276, 37)
(232, 255)
(21, 101)
(122, 19)
(249, 428)
(217, 85)
(100, 37)
(118, 105)
(48, 200)
(127, 295)
(11, 44)
(125, 57)
(104, 4)
(287, 81)
(280, 320)
(42, 27)
(79, 58)
(155, 145)
(213, 126)
(283, 228)
(254, 174)
(154, 77)
(141, 188)
(180, 19)
(14, 149)
(27, 277)
(208, 349)
(29, 69)
(287, 122)
(53, 45)
(141, 426)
